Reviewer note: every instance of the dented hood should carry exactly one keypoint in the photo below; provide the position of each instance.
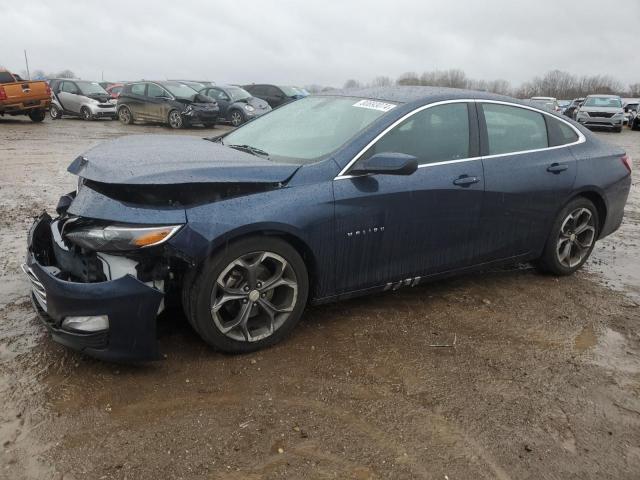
(171, 159)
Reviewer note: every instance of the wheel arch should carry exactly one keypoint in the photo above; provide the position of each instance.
(282, 232)
(598, 199)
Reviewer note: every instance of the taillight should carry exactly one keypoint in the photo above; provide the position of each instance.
(3, 94)
(48, 90)
(626, 160)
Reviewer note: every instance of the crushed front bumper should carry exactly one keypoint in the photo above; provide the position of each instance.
(130, 305)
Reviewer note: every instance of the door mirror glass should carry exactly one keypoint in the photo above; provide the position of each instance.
(387, 164)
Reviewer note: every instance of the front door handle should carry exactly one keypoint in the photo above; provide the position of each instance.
(465, 181)
(557, 167)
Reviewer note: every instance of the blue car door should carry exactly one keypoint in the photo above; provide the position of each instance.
(392, 229)
(528, 174)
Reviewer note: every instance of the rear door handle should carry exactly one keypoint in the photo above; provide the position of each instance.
(465, 181)
(557, 167)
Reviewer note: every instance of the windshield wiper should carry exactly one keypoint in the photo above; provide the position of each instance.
(249, 149)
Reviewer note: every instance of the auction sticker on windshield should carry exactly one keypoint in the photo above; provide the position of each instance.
(373, 105)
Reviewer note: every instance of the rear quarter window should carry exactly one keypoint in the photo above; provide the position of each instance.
(513, 129)
(559, 132)
(138, 89)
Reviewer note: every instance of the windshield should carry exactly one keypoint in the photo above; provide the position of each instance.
(180, 90)
(611, 102)
(238, 93)
(310, 129)
(290, 91)
(90, 88)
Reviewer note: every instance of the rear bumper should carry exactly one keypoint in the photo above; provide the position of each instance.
(130, 305)
(24, 107)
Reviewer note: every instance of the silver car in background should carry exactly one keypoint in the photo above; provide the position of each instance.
(602, 111)
(80, 98)
(550, 103)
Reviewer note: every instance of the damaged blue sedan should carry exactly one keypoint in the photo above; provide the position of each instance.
(326, 198)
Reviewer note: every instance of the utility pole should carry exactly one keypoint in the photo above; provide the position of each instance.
(27, 62)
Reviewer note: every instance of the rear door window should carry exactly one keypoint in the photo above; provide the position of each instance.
(513, 129)
(138, 89)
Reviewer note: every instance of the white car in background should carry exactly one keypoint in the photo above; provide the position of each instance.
(549, 103)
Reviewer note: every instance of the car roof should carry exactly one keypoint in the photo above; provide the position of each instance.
(604, 95)
(407, 94)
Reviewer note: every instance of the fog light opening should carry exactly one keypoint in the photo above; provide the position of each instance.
(89, 323)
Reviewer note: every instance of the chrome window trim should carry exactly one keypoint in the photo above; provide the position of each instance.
(581, 138)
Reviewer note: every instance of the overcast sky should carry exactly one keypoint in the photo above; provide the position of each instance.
(323, 42)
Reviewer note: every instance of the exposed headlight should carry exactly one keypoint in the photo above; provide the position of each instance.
(120, 238)
(188, 109)
(249, 108)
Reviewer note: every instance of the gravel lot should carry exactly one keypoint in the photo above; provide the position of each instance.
(543, 380)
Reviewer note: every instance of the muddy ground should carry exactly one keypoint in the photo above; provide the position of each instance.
(541, 381)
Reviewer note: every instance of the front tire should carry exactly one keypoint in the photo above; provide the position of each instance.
(175, 119)
(236, 117)
(572, 238)
(37, 115)
(85, 113)
(248, 296)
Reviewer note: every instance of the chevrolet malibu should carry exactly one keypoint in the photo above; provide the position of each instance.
(326, 198)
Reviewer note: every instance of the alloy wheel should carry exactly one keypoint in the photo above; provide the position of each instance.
(175, 119)
(236, 118)
(54, 112)
(254, 296)
(576, 238)
(124, 115)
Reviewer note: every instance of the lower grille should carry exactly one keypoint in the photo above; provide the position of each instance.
(39, 292)
(601, 114)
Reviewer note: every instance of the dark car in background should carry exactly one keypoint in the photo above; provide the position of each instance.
(630, 108)
(171, 103)
(573, 107)
(329, 197)
(274, 95)
(236, 104)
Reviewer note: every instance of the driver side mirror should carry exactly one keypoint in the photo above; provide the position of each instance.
(387, 164)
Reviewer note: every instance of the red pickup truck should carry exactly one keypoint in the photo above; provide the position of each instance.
(21, 97)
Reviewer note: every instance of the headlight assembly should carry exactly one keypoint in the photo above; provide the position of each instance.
(249, 108)
(120, 238)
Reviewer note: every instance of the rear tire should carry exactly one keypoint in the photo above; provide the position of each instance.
(37, 115)
(572, 238)
(248, 296)
(55, 113)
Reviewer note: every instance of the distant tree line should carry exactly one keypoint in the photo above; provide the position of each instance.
(556, 83)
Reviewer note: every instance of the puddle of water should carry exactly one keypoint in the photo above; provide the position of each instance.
(613, 352)
(586, 339)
